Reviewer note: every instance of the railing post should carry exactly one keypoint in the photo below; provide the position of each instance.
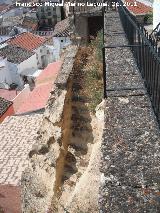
(147, 56)
(159, 51)
(103, 17)
(104, 72)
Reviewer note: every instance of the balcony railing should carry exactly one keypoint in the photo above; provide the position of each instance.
(146, 53)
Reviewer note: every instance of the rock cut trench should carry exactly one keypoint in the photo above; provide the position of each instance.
(63, 171)
(77, 168)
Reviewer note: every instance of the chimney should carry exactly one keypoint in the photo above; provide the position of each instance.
(156, 13)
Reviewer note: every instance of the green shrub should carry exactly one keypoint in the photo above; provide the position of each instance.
(148, 18)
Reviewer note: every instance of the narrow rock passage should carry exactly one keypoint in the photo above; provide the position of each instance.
(80, 170)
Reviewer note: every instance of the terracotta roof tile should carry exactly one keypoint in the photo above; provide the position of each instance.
(15, 54)
(36, 99)
(139, 9)
(30, 23)
(62, 28)
(27, 41)
(49, 73)
(4, 105)
(3, 7)
(8, 94)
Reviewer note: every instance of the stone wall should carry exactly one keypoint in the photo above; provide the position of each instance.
(40, 178)
(130, 179)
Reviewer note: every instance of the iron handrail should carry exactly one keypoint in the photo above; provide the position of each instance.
(146, 53)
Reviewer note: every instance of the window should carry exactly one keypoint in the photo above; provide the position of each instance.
(43, 16)
(50, 21)
(49, 13)
(48, 8)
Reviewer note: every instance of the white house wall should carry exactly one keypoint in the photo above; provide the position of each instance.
(28, 65)
(15, 76)
(64, 42)
(45, 52)
(4, 38)
(156, 13)
(9, 74)
(13, 12)
(57, 48)
(5, 76)
(50, 56)
(59, 44)
(58, 13)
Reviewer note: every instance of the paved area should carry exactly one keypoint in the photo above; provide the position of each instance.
(10, 199)
(131, 145)
(17, 135)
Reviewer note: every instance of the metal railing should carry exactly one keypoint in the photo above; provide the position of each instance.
(146, 53)
(156, 32)
(112, 6)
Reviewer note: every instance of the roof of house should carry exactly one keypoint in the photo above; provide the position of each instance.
(4, 105)
(8, 94)
(12, 21)
(49, 73)
(49, 40)
(27, 41)
(15, 54)
(36, 99)
(62, 28)
(5, 30)
(30, 23)
(17, 136)
(140, 9)
(3, 7)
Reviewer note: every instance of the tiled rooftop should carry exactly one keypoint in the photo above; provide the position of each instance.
(49, 40)
(30, 23)
(36, 99)
(17, 136)
(15, 54)
(49, 73)
(27, 41)
(3, 7)
(62, 28)
(12, 21)
(139, 9)
(8, 94)
(4, 105)
(5, 30)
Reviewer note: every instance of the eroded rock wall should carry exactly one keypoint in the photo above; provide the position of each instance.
(40, 179)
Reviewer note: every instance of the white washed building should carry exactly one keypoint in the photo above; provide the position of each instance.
(156, 13)
(15, 63)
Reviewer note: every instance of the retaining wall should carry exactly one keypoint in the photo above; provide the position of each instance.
(39, 179)
(130, 179)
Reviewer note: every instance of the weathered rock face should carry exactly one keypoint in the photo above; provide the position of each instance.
(40, 178)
